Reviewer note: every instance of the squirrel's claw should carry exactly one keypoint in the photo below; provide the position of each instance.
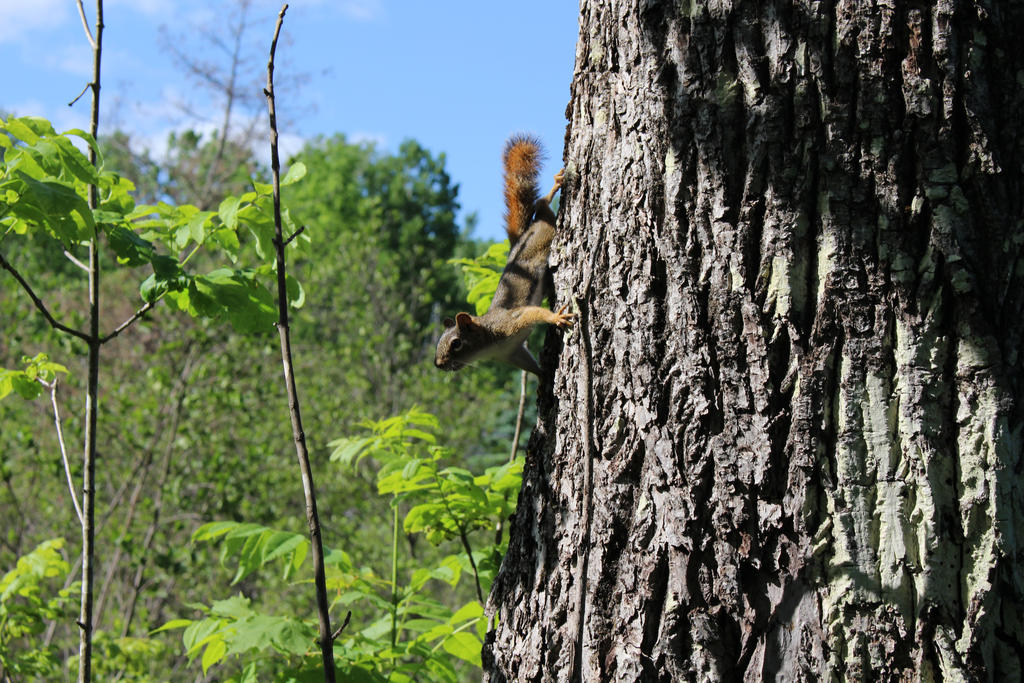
(563, 320)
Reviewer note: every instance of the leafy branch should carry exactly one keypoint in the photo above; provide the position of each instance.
(415, 635)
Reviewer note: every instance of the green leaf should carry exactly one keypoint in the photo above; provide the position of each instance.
(213, 653)
(86, 136)
(212, 530)
(296, 294)
(438, 631)
(378, 628)
(152, 289)
(249, 307)
(449, 571)
(339, 559)
(294, 637)
(228, 240)
(236, 607)
(197, 226)
(419, 434)
(41, 366)
(24, 382)
(7, 381)
(296, 172)
(42, 563)
(173, 624)
(508, 476)
(28, 129)
(76, 163)
(421, 625)
(167, 277)
(471, 610)
(442, 669)
(249, 674)
(117, 198)
(410, 469)
(224, 293)
(228, 212)
(198, 634)
(349, 451)
(182, 234)
(131, 249)
(54, 206)
(261, 225)
(482, 274)
(255, 546)
(465, 646)
(280, 544)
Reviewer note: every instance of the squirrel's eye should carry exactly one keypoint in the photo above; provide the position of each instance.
(456, 343)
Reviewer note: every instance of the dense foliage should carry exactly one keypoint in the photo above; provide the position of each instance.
(200, 536)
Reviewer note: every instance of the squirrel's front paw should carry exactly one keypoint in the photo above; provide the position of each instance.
(563, 320)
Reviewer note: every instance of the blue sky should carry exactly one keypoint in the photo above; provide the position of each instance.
(459, 77)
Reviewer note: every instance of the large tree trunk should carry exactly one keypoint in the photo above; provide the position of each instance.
(784, 441)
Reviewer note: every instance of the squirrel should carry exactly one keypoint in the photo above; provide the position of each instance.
(501, 332)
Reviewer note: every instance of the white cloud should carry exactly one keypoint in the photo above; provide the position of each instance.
(287, 145)
(362, 10)
(21, 17)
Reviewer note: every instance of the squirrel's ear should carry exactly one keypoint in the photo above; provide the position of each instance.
(463, 319)
(448, 322)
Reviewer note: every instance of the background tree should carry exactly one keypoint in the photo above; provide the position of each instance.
(784, 441)
(194, 409)
(222, 60)
(380, 282)
(198, 431)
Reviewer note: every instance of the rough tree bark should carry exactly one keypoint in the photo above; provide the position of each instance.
(784, 441)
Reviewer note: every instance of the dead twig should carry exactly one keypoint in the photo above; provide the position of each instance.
(88, 32)
(52, 386)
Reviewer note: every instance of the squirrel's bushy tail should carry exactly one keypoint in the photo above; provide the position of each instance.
(521, 160)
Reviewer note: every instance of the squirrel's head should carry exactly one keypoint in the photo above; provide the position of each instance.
(460, 344)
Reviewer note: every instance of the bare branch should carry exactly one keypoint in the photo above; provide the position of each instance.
(71, 257)
(294, 235)
(301, 451)
(88, 34)
(52, 386)
(519, 418)
(79, 96)
(39, 302)
(341, 629)
(127, 323)
(499, 527)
